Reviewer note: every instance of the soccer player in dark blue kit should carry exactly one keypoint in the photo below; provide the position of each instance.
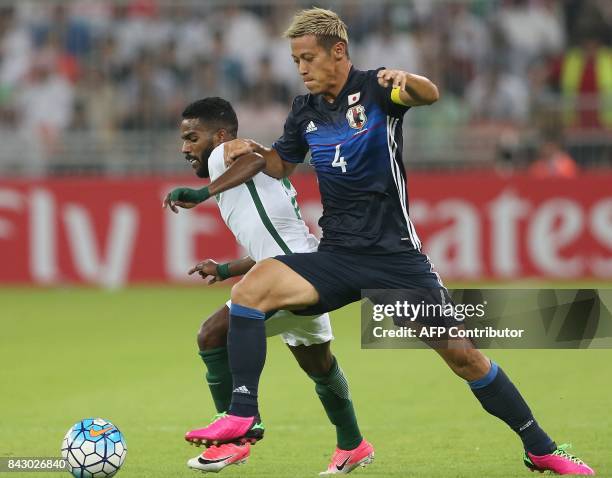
(352, 124)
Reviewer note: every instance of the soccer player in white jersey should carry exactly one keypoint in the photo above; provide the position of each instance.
(263, 214)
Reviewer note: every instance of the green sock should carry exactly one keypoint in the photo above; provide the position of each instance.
(334, 393)
(218, 377)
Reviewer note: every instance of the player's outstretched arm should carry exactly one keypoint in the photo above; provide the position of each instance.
(212, 272)
(409, 89)
(242, 170)
(275, 166)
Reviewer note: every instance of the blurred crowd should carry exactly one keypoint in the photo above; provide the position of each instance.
(519, 78)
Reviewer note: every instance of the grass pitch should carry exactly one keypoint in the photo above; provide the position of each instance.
(130, 357)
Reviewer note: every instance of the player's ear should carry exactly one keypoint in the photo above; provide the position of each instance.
(220, 137)
(339, 50)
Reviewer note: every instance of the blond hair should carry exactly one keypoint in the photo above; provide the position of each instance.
(323, 24)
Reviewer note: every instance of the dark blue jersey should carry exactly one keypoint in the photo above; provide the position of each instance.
(356, 148)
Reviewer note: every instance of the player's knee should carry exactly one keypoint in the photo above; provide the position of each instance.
(315, 360)
(247, 293)
(469, 364)
(212, 334)
(317, 368)
(202, 337)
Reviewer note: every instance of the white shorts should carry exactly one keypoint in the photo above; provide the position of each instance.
(298, 329)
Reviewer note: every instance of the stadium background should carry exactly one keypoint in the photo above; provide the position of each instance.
(510, 180)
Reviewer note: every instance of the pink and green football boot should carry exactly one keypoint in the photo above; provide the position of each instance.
(215, 458)
(559, 461)
(227, 428)
(345, 461)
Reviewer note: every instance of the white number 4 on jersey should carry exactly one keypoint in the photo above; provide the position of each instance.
(339, 161)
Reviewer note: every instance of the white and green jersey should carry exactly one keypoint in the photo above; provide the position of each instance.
(262, 213)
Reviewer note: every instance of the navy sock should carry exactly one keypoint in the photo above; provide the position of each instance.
(246, 345)
(498, 396)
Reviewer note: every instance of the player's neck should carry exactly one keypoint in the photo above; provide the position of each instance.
(342, 77)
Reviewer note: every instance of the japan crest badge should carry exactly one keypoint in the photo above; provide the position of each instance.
(356, 116)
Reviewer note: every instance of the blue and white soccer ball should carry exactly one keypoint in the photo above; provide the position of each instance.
(94, 448)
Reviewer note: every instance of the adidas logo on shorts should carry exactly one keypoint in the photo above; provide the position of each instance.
(311, 127)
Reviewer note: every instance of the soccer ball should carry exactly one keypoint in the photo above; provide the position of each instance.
(94, 448)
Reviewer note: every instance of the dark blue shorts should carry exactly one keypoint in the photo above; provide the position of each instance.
(339, 277)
